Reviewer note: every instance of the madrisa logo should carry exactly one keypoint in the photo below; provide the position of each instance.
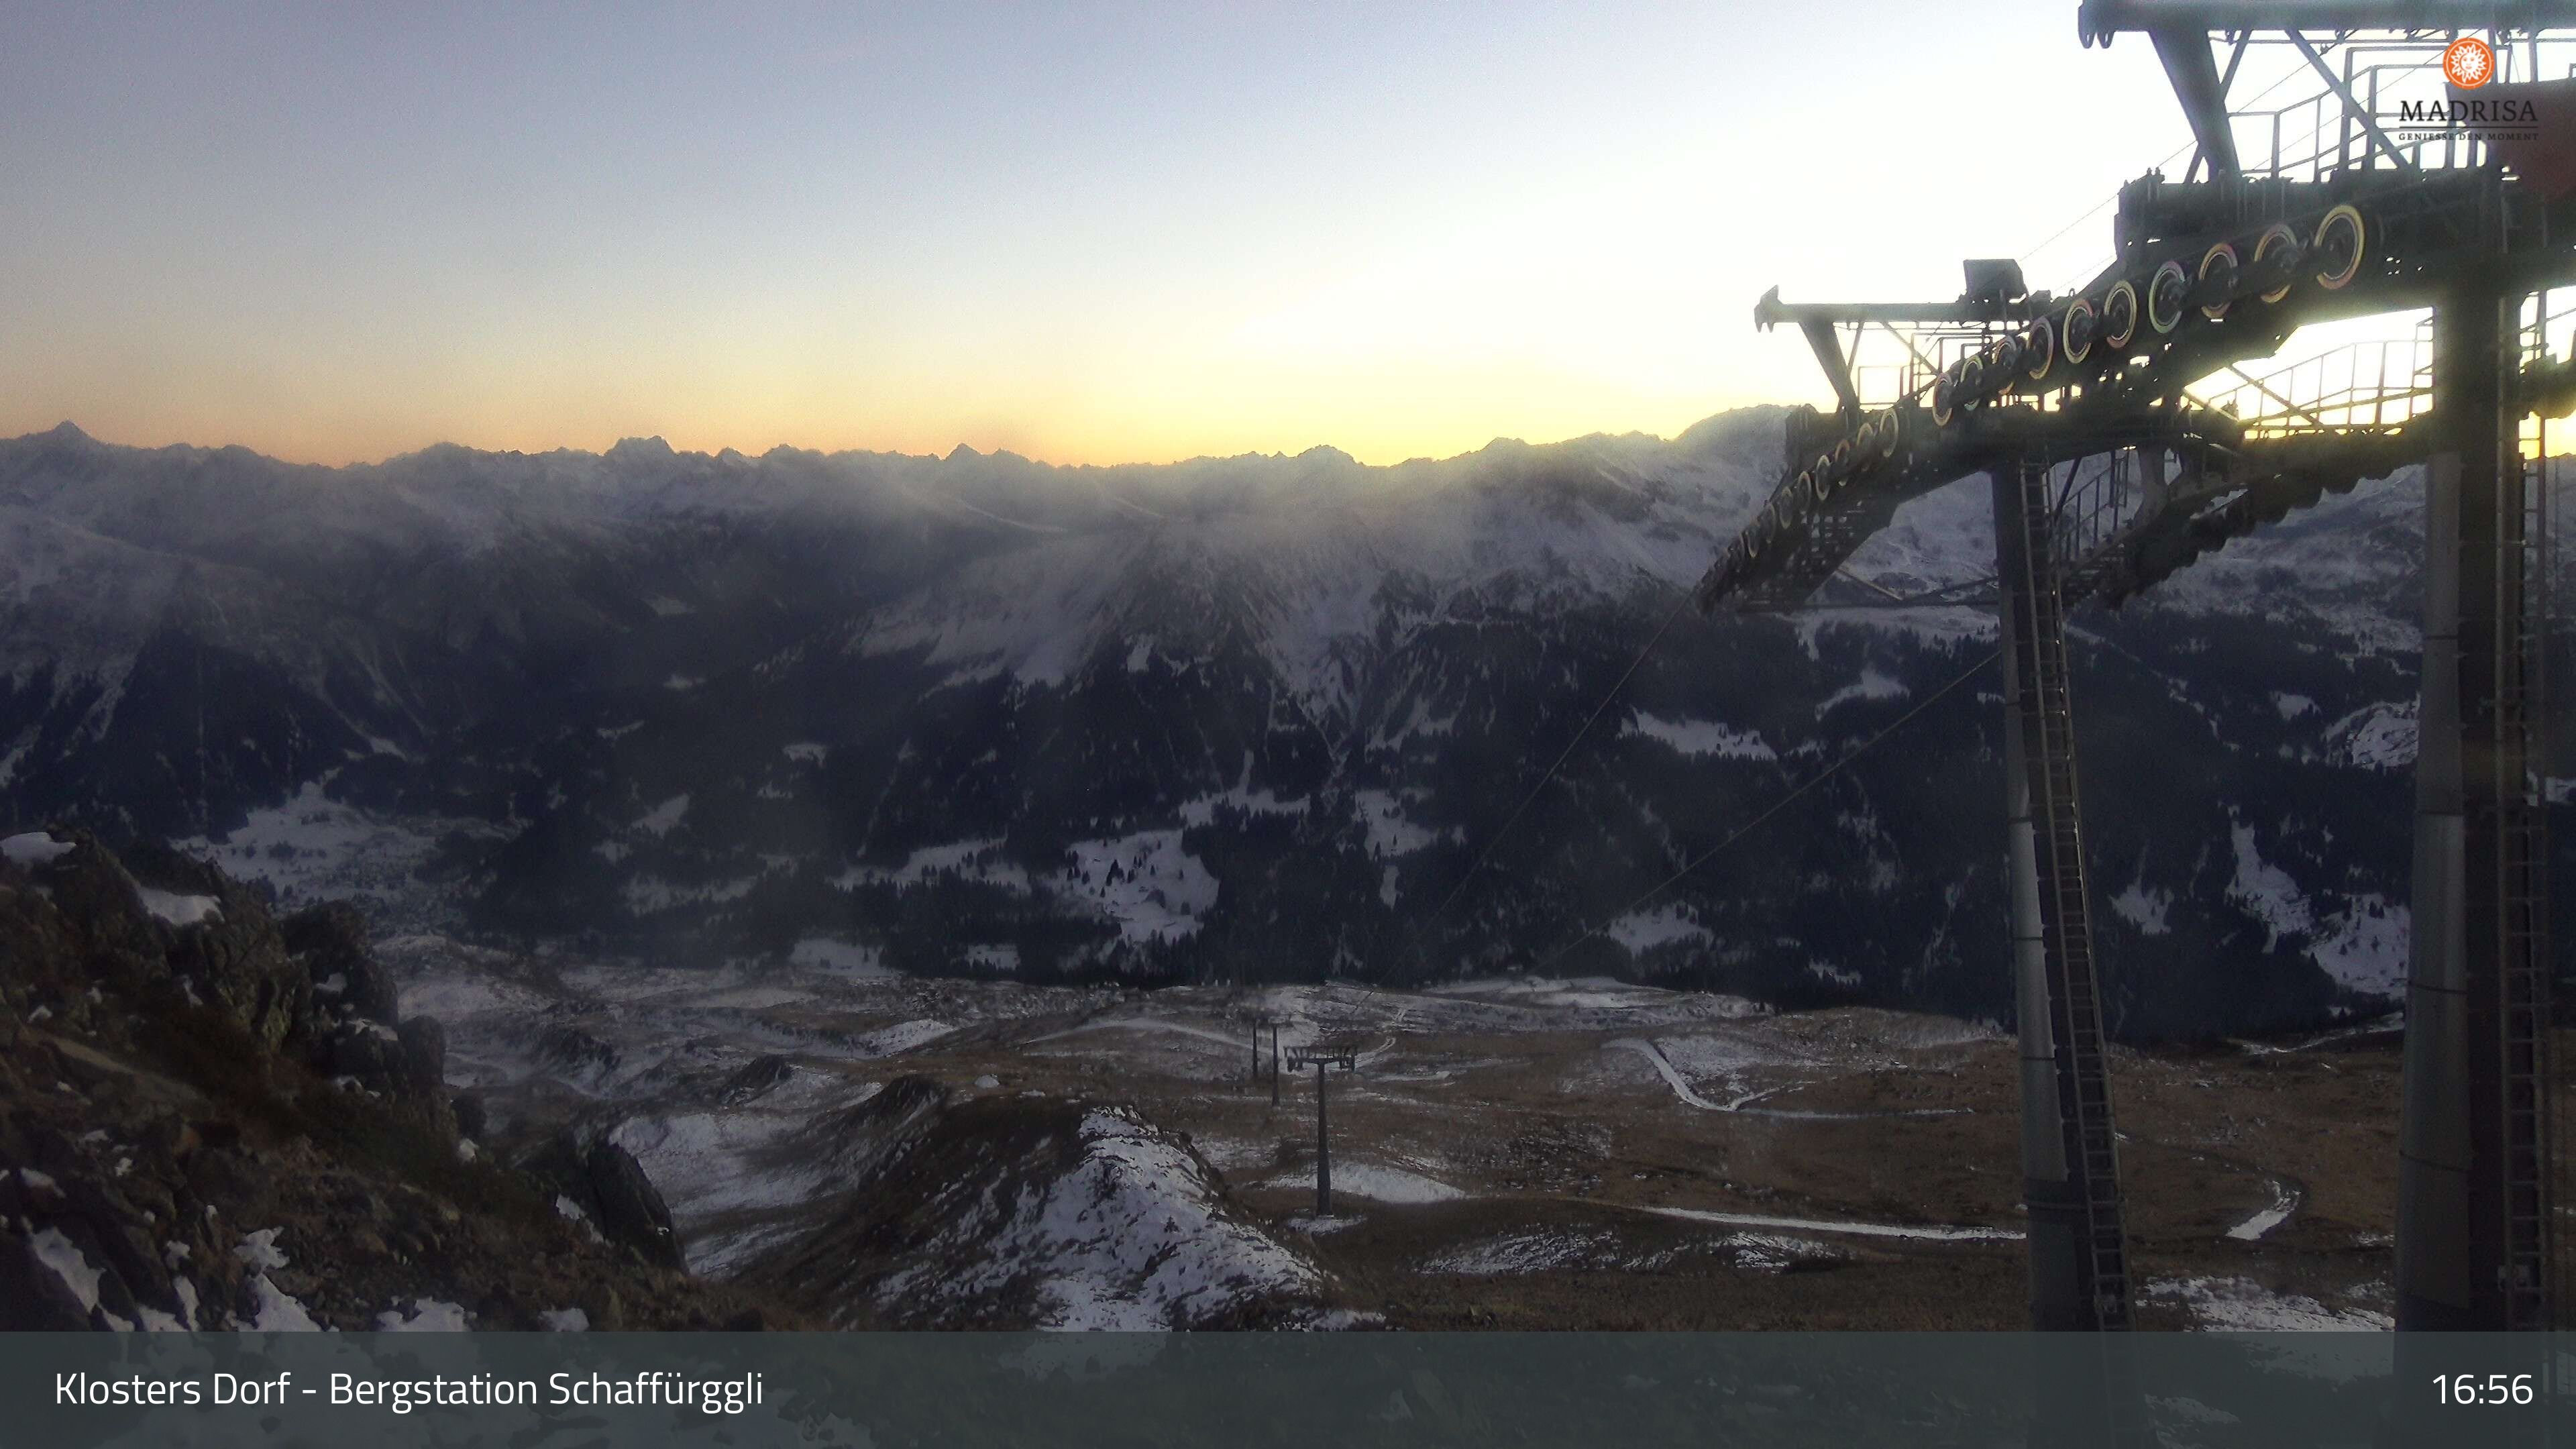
(2498, 112)
(2469, 63)
(2487, 118)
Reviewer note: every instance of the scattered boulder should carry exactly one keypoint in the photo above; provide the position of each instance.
(39, 1298)
(631, 1209)
(574, 1049)
(756, 1079)
(331, 941)
(424, 1055)
(371, 1053)
(223, 944)
(95, 895)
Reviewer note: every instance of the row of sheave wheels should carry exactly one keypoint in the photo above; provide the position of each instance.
(2052, 350)
(1875, 439)
(2056, 348)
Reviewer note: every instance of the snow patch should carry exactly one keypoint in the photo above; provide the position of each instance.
(2365, 947)
(1130, 1239)
(68, 1263)
(2285, 1201)
(259, 1250)
(902, 1037)
(273, 1310)
(2376, 737)
(659, 820)
(2143, 908)
(178, 910)
(1202, 811)
(973, 860)
(1698, 737)
(34, 848)
(647, 894)
(1375, 1182)
(311, 847)
(1778, 1253)
(1639, 932)
(1390, 832)
(1535, 1251)
(823, 953)
(1929, 1233)
(1872, 685)
(2267, 893)
(427, 1316)
(1148, 884)
(2243, 1305)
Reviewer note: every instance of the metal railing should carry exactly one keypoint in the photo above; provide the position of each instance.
(2362, 385)
(2395, 88)
(2096, 499)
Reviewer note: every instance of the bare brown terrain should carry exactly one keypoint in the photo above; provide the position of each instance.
(1580, 1155)
(1574, 1161)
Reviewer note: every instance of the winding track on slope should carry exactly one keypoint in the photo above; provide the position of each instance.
(1664, 1068)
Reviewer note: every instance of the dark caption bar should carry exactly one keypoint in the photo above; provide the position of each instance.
(1070, 1391)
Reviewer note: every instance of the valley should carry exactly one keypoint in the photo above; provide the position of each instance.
(1508, 1154)
(1236, 718)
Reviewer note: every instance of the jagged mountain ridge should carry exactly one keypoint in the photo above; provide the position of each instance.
(1255, 714)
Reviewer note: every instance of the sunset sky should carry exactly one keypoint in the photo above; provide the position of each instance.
(1087, 233)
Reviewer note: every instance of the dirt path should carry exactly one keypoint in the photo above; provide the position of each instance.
(1672, 1077)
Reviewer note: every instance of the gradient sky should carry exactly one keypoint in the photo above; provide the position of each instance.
(1088, 233)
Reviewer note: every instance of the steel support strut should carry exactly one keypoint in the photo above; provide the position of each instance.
(1321, 1061)
(1323, 1148)
(2079, 1279)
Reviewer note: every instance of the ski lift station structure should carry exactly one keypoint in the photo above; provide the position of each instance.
(2143, 417)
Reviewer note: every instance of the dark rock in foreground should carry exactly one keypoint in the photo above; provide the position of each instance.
(209, 1119)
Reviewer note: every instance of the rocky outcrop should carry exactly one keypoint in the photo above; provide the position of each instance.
(210, 1118)
(631, 1209)
(998, 1212)
(331, 940)
(599, 1184)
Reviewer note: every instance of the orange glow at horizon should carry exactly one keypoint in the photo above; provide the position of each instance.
(1378, 429)
(1085, 237)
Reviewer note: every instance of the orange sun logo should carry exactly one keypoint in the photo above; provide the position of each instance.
(2469, 63)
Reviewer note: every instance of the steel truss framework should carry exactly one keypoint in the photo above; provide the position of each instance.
(2147, 416)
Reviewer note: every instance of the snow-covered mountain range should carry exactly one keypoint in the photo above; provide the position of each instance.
(1251, 715)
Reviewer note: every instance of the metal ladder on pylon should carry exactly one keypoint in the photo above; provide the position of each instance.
(2084, 1091)
(2522, 642)
(2065, 916)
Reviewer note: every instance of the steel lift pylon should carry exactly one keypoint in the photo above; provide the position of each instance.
(2079, 1256)
(2124, 438)
(2070, 1154)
